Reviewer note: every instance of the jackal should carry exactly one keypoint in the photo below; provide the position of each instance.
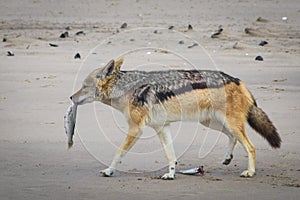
(158, 98)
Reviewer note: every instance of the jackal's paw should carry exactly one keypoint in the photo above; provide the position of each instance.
(168, 176)
(247, 174)
(107, 172)
(227, 160)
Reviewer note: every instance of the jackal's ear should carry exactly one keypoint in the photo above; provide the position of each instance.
(118, 64)
(109, 68)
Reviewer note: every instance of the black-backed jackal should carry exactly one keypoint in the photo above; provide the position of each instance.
(157, 98)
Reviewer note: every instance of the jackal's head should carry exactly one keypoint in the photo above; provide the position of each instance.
(98, 84)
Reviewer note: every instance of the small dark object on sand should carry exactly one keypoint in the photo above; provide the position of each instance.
(249, 30)
(260, 19)
(155, 31)
(4, 40)
(80, 33)
(197, 170)
(77, 56)
(235, 45)
(263, 43)
(218, 32)
(181, 42)
(190, 27)
(259, 58)
(9, 53)
(193, 45)
(64, 35)
(171, 27)
(68, 28)
(53, 45)
(124, 25)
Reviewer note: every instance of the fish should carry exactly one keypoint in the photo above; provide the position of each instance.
(193, 171)
(69, 123)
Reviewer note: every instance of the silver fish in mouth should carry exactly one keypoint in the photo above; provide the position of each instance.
(70, 121)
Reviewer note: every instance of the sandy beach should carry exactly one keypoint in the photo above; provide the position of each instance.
(38, 73)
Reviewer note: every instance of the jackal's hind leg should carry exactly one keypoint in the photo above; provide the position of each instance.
(133, 135)
(165, 137)
(249, 148)
(220, 126)
(231, 144)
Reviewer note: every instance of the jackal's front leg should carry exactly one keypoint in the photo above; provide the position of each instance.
(166, 140)
(133, 135)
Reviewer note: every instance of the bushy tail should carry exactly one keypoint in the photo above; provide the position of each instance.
(261, 123)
